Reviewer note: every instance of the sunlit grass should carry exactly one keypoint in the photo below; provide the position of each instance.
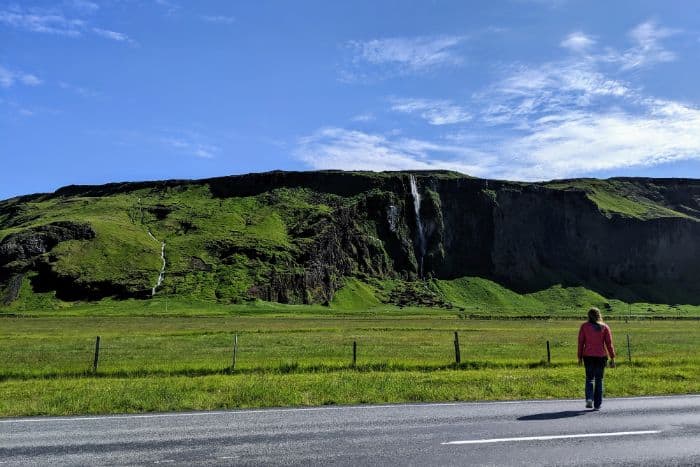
(179, 363)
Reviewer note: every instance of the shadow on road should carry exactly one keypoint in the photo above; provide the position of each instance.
(554, 415)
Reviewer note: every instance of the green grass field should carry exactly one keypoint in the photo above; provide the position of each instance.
(156, 363)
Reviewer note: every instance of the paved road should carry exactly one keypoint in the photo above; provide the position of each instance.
(653, 431)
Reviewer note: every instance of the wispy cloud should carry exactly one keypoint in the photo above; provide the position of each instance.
(574, 117)
(578, 143)
(190, 143)
(578, 42)
(80, 90)
(218, 19)
(528, 91)
(9, 78)
(113, 35)
(435, 112)
(339, 148)
(380, 58)
(44, 22)
(364, 117)
(55, 21)
(648, 49)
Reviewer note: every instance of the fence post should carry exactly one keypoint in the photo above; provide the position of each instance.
(458, 358)
(354, 353)
(629, 350)
(549, 355)
(97, 355)
(235, 350)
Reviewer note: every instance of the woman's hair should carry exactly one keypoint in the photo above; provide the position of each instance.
(594, 317)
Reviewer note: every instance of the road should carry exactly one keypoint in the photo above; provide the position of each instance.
(651, 431)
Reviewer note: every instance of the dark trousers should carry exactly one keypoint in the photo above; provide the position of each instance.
(595, 368)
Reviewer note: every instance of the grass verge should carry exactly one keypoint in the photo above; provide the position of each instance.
(73, 396)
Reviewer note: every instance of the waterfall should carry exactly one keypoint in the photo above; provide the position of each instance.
(162, 269)
(419, 224)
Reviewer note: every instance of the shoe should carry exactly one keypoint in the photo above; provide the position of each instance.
(589, 404)
(596, 409)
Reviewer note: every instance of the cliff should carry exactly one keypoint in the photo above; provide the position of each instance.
(298, 237)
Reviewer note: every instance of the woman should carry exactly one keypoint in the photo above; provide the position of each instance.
(594, 339)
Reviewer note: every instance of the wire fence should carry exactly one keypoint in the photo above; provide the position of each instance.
(226, 352)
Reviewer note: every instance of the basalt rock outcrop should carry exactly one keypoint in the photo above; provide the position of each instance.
(303, 234)
(25, 250)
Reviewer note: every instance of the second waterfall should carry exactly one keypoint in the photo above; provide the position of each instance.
(419, 225)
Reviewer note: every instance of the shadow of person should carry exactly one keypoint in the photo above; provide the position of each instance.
(554, 415)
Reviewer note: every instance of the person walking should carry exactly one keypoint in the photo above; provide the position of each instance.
(595, 344)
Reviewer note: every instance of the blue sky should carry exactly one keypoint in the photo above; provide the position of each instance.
(121, 90)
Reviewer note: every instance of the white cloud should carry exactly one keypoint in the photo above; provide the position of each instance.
(578, 143)
(46, 22)
(435, 112)
(567, 118)
(571, 118)
(570, 144)
(113, 35)
(380, 58)
(648, 49)
(339, 148)
(365, 117)
(548, 88)
(219, 19)
(578, 42)
(9, 78)
(192, 144)
(53, 21)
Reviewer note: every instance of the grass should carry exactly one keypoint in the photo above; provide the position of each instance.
(68, 396)
(182, 363)
(210, 242)
(621, 197)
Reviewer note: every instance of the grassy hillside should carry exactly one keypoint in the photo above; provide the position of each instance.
(627, 197)
(327, 239)
(210, 243)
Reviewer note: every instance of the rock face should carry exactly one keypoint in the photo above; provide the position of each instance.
(22, 251)
(633, 239)
(19, 249)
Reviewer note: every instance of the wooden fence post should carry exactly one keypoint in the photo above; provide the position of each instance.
(97, 355)
(235, 350)
(458, 358)
(354, 353)
(549, 355)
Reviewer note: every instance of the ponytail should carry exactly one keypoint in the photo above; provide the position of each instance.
(595, 318)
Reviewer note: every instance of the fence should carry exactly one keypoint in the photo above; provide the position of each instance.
(222, 352)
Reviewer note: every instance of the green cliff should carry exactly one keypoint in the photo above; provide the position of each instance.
(353, 237)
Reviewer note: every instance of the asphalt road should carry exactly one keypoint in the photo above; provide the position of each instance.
(649, 431)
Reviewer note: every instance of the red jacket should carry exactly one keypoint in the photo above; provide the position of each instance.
(593, 342)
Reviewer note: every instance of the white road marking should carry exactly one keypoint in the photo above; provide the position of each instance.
(227, 457)
(544, 438)
(318, 409)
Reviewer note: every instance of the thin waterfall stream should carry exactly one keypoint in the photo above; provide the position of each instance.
(419, 224)
(162, 269)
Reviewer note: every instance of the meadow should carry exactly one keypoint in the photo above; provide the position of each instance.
(293, 357)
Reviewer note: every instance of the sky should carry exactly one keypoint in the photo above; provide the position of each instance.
(123, 90)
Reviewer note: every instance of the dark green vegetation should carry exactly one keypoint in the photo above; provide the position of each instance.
(180, 363)
(349, 240)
